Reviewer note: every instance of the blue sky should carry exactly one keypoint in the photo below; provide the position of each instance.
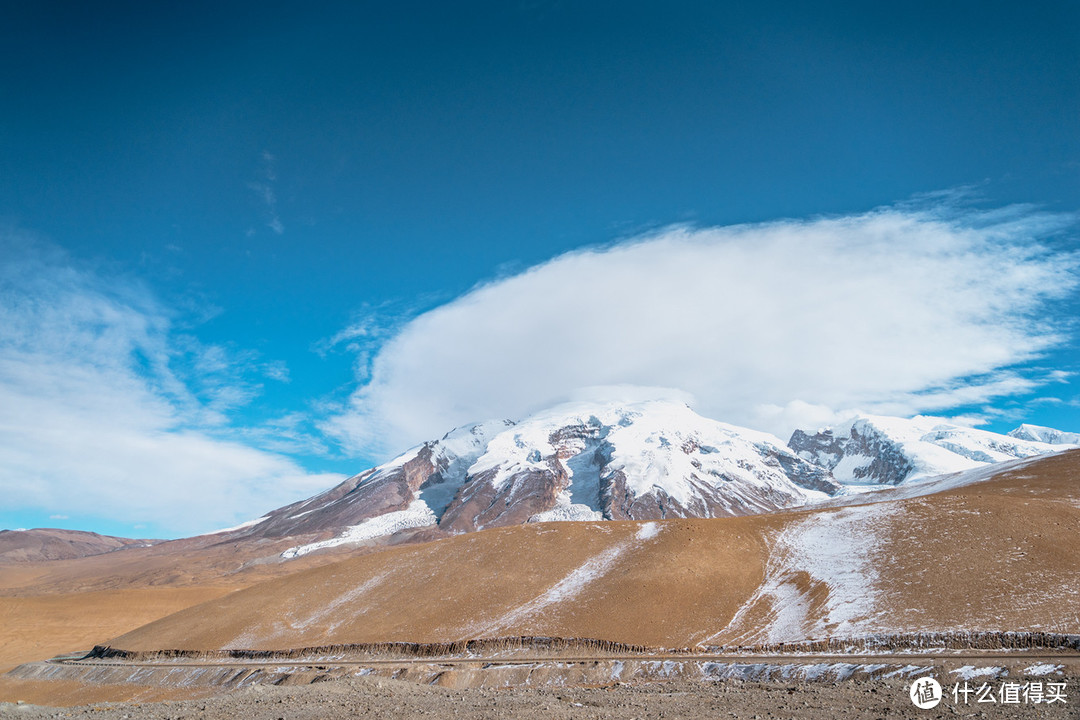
(249, 250)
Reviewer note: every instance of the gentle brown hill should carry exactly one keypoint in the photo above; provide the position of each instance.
(998, 555)
(40, 627)
(603, 579)
(219, 560)
(54, 544)
(49, 607)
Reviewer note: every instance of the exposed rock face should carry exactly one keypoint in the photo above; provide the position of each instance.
(432, 473)
(823, 448)
(884, 461)
(870, 450)
(807, 475)
(481, 504)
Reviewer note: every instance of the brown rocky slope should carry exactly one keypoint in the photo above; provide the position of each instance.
(1000, 554)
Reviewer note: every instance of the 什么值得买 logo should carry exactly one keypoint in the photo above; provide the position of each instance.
(925, 693)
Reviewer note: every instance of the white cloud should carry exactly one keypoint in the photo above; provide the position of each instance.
(106, 411)
(900, 310)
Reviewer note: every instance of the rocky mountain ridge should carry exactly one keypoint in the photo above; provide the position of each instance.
(581, 461)
(875, 450)
(627, 461)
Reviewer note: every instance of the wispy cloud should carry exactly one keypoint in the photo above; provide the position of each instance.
(921, 307)
(264, 189)
(107, 410)
(371, 327)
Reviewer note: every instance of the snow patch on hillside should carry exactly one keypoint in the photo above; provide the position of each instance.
(418, 514)
(241, 526)
(1041, 669)
(648, 530)
(970, 672)
(819, 580)
(566, 511)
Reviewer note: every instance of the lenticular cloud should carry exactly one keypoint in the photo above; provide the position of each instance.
(762, 325)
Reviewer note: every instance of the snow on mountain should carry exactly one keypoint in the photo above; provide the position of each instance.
(646, 460)
(580, 461)
(420, 482)
(417, 514)
(871, 450)
(1045, 435)
(627, 461)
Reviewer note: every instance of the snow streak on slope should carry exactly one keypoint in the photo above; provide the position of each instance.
(337, 605)
(564, 590)
(571, 585)
(820, 580)
(241, 526)
(416, 515)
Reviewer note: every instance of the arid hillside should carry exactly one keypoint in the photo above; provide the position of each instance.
(651, 583)
(62, 605)
(998, 554)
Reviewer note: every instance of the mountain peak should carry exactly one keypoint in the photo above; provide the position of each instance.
(870, 449)
(1045, 434)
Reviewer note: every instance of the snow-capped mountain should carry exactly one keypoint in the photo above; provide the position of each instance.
(626, 461)
(581, 461)
(871, 450)
(1045, 435)
(640, 461)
